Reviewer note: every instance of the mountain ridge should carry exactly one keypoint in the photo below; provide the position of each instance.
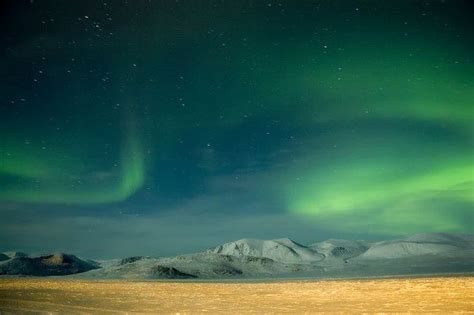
(423, 253)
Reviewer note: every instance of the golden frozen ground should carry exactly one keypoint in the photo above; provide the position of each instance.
(440, 294)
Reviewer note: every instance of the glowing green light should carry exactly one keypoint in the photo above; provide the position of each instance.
(44, 180)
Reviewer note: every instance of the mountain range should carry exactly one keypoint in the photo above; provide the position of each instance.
(434, 253)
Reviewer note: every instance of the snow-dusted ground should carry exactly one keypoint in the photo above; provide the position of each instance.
(283, 258)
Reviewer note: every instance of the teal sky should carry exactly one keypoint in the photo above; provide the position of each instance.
(160, 127)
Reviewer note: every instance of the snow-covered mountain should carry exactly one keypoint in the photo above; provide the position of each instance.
(282, 250)
(437, 253)
(340, 249)
(420, 244)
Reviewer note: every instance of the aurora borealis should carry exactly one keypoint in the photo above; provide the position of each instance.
(154, 127)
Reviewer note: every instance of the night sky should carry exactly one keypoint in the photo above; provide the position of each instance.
(165, 127)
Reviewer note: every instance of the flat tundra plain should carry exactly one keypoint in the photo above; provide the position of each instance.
(425, 294)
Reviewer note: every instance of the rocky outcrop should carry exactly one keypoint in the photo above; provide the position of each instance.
(47, 265)
(159, 271)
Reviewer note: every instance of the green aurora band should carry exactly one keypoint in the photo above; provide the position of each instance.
(400, 180)
(47, 180)
(353, 120)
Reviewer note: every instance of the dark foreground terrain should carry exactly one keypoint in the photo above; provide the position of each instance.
(427, 295)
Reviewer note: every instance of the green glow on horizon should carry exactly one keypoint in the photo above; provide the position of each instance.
(393, 177)
(363, 187)
(391, 199)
